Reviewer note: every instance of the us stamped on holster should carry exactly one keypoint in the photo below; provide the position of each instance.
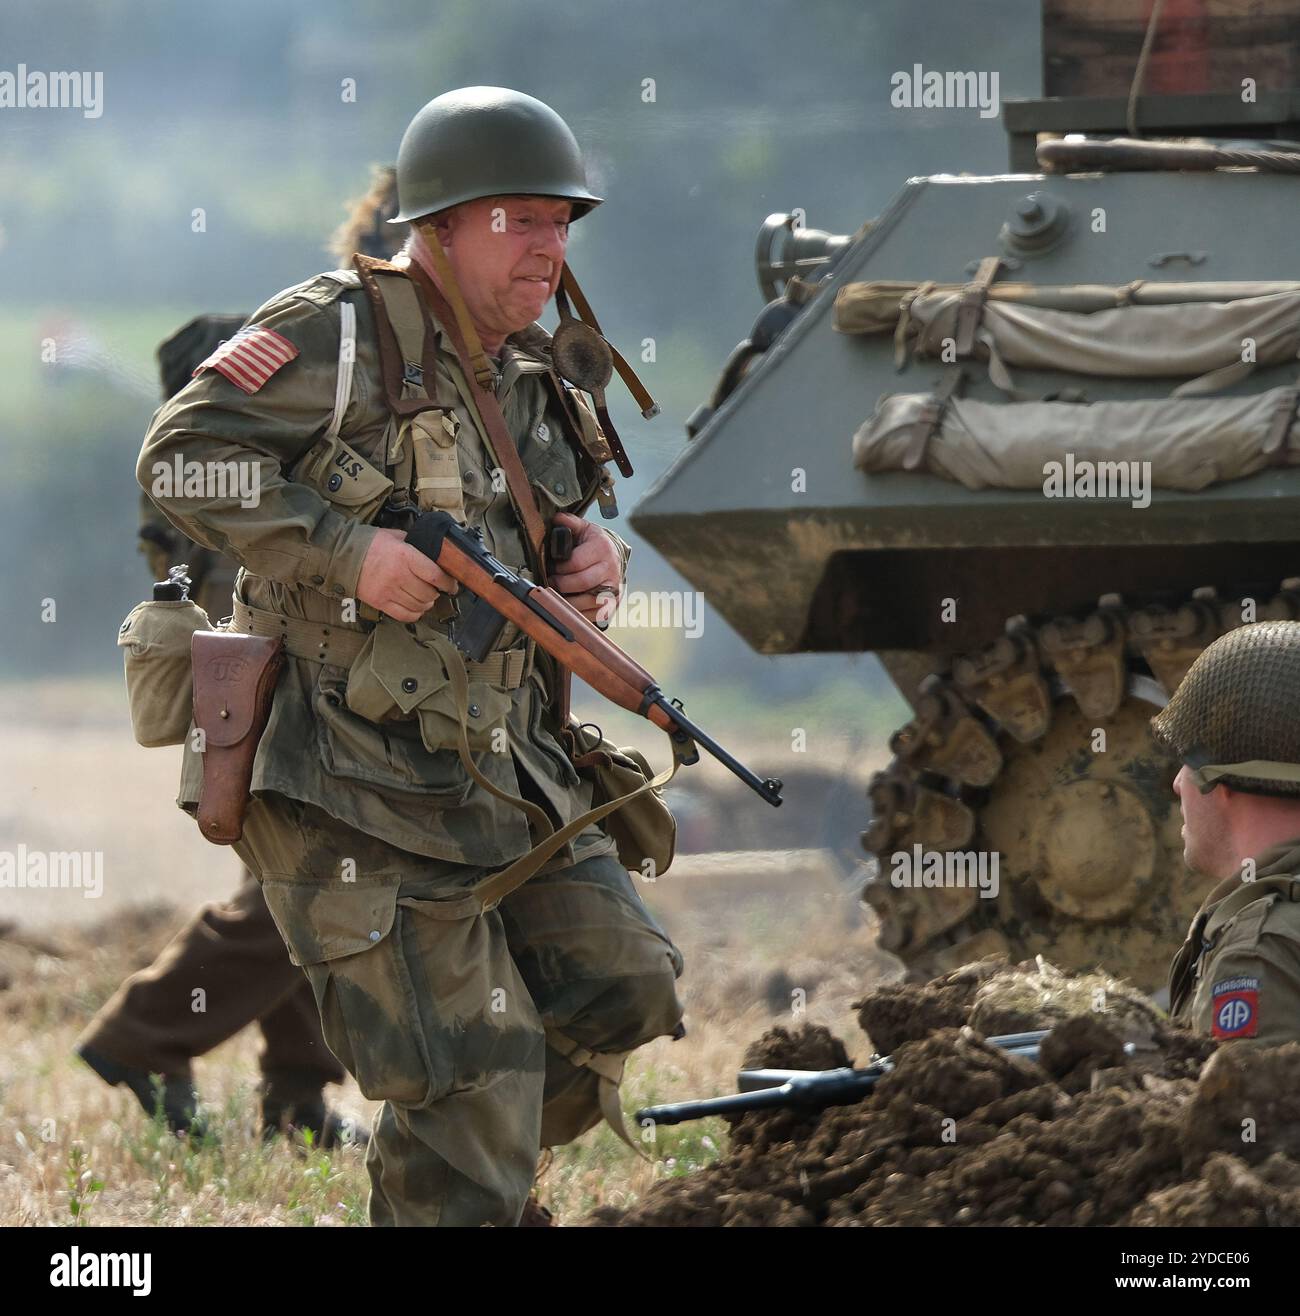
(234, 684)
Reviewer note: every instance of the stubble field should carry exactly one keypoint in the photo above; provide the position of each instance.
(779, 938)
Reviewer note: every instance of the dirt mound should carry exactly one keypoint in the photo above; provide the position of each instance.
(1166, 1130)
(995, 998)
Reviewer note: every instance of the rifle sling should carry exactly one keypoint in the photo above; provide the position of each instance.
(495, 888)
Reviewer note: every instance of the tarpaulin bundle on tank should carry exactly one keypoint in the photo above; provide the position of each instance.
(1197, 332)
(1190, 443)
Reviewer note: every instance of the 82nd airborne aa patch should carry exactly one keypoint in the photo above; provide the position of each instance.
(1234, 1008)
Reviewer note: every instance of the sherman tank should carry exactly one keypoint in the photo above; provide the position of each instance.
(1032, 440)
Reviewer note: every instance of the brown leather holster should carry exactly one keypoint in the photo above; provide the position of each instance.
(234, 683)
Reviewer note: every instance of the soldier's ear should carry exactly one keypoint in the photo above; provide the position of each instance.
(443, 224)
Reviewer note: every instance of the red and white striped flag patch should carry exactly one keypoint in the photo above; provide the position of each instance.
(251, 357)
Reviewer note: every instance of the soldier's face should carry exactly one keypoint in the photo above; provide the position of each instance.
(506, 254)
(1207, 837)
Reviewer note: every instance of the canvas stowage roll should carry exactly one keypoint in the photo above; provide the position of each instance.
(1190, 443)
(1139, 331)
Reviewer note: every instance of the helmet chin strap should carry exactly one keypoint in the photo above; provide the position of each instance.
(479, 363)
(482, 367)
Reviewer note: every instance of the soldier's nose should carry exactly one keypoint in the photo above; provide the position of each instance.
(550, 244)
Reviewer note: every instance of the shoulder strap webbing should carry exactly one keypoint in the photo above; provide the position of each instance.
(347, 364)
(404, 334)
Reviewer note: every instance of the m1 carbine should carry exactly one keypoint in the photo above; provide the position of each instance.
(492, 594)
(811, 1089)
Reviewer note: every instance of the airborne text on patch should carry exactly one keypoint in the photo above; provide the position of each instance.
(1234, 1008)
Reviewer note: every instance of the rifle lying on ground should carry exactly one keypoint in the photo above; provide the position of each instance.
(492, 594)
(813, 1089)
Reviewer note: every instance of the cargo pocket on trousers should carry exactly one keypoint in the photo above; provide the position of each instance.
(597, 963)
(481, 1027)
(343, 936)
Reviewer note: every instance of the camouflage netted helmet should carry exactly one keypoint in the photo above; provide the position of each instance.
(488, 141)
(1235, 718)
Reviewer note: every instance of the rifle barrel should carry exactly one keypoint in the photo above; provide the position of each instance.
(761, 1089)
(769, 788)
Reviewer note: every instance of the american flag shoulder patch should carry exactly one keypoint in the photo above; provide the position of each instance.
(251, 357)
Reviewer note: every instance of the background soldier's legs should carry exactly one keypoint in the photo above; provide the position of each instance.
(235, 955)
(295, 1061)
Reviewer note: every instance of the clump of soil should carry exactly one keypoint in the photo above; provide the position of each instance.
(1167, 1129)
(996, 999)
(809, 1047)
(1228, 1192)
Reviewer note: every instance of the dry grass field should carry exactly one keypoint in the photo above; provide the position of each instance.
(75, 1151)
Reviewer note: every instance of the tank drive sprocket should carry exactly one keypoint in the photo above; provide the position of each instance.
(1026, 808)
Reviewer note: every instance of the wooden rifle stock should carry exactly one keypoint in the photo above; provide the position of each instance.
(572, 640)
(559, 628)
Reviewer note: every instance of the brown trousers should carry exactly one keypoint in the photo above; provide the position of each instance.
(234, 956)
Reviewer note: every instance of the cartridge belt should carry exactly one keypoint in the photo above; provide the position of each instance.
(321, 642)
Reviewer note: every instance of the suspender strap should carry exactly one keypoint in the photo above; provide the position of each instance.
(405, 392)
(347, 364)
(594, 443)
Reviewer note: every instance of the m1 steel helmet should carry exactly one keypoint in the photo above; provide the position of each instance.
(1233, 717)
(488, 141)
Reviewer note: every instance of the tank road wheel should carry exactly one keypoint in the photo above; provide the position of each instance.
(1031, 760)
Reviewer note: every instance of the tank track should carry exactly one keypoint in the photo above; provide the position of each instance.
(1001, 758)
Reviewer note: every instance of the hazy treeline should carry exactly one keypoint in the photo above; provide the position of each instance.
(699, 120)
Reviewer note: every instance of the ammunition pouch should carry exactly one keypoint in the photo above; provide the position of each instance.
(644, 829)
(397, 675)
(156, 638)
(435, 461)
(234, 684)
